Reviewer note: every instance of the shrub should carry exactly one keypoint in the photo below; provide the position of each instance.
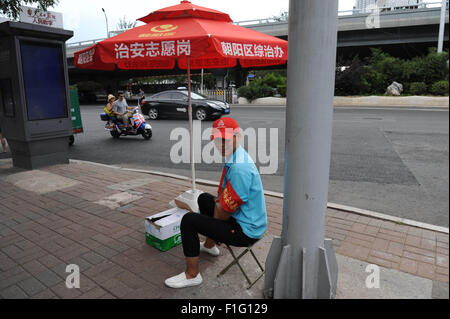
(428, 69)
(348, 77)
(440, 88)
(417, 88)
(282, 89)
(273, 80)
(255, 90)
(382, 69)
(263, 87)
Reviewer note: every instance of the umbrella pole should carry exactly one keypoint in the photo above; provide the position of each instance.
(191, 131)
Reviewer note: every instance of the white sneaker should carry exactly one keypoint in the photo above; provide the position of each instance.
(180, 281)
(214, 251)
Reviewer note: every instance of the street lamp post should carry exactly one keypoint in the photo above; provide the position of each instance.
(442, 26)
(301, 263)
(107, 30)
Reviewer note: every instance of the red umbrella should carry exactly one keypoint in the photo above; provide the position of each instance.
(194, 36)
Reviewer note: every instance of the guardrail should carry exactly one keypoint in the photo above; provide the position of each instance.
(385, 9)
(366, 11)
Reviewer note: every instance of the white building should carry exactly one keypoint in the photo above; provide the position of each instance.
(363, 6)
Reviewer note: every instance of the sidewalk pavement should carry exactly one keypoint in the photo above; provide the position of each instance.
(56, 216)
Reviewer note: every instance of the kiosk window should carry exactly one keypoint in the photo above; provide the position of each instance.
(43, 75)
(6, 98)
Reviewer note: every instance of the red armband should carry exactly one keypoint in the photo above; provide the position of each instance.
(229, 199)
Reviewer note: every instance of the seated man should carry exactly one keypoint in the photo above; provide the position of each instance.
(236, 217)
(120, 109)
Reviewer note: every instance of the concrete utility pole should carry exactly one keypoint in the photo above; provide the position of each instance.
(300, 263)
(442, 26)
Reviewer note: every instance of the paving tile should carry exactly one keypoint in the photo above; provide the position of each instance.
(418, 257)
(442, 260)
(412, 240)
(442, 251)
(364, 220)
(371, 230)
(379, 261)
(62, 291)
(386, 256)
(116, 288)
(34, 267)
(391, 238)
(408, 265)
(353, 250)
(31, 286)
(426, 270)
(441, 244)
(429, 234)
(45, 294)
(49, 261)
(442, 270)
(395, 248)
(415, 231)
(13, 276)
(94, 293)
(48, 278)
(420, 251)
(13, 292)
(358, 228)
(358, 241)
(440, 277)
(380, 244)
(105, 251)
(93, 258)
(444, 238)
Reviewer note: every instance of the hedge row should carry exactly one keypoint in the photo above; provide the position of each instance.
(370, 76)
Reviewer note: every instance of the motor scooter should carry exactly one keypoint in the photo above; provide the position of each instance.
(140, 127)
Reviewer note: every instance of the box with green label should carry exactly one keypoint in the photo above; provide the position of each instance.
(162, 230)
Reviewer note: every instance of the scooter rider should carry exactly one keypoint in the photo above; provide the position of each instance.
(120, 109)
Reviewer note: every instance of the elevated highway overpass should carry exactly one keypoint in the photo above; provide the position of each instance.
(405, 33)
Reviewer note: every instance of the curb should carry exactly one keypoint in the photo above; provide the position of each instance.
(403, 107)
(350, 209)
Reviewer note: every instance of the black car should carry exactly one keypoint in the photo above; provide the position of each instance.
(174, 104)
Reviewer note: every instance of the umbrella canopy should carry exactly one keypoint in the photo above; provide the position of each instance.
(205, 36)
(186, 9)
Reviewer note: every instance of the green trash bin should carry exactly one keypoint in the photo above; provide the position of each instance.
(77, 124)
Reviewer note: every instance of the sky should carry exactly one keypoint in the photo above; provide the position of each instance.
(87, 20)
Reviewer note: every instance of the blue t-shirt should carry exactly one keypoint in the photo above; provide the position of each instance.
(243, 193)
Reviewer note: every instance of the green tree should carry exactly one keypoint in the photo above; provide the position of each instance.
(382, 69)
(348, 77)
(428, 69)
(440, 88)
(124, 24)
(283, 16)
(11, 8)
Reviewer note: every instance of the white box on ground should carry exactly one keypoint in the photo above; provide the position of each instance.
(162, 230)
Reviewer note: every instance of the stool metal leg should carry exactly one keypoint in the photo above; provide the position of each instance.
(236, 261)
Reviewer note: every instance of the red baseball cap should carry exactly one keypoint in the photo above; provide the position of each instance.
(225, 128)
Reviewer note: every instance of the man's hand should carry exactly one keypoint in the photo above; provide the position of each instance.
(220, 213)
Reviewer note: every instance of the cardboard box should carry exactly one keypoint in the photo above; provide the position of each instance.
(162, 230)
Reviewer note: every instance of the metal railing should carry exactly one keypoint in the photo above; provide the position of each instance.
(420, 5)
(83, 43)
(220, 94)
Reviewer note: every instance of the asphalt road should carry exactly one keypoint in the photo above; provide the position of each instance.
(392, 161)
